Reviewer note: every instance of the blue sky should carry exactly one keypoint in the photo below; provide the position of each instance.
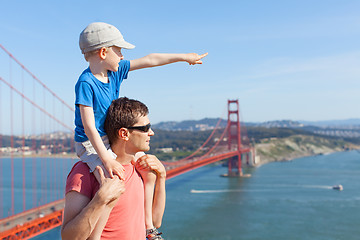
(297, 60)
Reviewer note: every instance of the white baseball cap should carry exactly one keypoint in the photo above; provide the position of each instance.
(98, 34)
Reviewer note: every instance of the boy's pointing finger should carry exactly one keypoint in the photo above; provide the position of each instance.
(203, 55)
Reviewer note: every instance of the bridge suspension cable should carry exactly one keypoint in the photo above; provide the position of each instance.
(37, 79)
(36, 105)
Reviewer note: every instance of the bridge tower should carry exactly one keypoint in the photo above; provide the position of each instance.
(234, 137)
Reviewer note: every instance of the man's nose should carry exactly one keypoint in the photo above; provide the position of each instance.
(151, 132)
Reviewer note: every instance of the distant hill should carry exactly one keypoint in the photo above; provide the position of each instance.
(349, 128)
(347, 123)
(191, 125)
(210, 123)
(277, 124)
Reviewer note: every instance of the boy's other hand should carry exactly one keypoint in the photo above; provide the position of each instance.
(148, 163)
(194, 58)
(113, 168)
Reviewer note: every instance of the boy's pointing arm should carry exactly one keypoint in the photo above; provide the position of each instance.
(159, 59)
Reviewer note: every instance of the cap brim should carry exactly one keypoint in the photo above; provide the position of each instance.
(124, 44)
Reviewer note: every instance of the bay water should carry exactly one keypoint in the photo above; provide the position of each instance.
(281, 200)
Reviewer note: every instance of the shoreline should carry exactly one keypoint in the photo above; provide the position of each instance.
(298, 146)
(266, 161)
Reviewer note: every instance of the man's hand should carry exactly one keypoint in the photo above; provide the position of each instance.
(148, 163)
(110, 188)
(194, 58)
(114, 168)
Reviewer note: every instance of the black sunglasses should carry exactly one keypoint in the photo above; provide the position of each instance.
(145, 128)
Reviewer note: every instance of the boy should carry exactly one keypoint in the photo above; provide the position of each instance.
(98, 85)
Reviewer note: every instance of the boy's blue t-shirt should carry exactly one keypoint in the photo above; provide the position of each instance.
(89, 91)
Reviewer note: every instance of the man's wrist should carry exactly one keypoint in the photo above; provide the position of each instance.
(100, 198)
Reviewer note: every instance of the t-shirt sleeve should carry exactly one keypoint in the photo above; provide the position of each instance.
(124, 67)
(80, 180)
(84, 94)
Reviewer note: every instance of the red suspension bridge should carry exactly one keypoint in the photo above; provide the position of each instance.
(36, 151)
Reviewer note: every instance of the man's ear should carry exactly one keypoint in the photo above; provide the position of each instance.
(123, 134)
(102, 53)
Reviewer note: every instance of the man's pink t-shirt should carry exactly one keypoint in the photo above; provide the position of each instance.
(127, 219)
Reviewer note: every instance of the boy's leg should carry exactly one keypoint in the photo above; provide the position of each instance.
(144, 165)
(149, 184)
(87, 154)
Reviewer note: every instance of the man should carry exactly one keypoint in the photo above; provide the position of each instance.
(128, 128)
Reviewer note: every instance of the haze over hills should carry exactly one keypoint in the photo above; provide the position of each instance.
(354, 122)
(210, 123)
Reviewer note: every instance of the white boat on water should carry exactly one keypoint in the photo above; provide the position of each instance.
(338, 187)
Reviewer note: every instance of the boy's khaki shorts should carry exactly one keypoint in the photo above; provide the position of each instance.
(86, 152)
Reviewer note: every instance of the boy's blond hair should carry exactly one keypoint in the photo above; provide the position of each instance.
(87, 55)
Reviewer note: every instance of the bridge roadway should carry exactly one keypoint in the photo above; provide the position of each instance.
(32, 222)
(191, 165)
(41, 219)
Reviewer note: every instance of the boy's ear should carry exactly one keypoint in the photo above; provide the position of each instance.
(123, 134)
(102, 53)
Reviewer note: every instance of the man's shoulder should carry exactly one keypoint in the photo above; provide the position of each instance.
(80, 168)
(81, 180)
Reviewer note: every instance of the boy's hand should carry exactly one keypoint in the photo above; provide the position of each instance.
(113, 167)
(194, 58)
(148, 163)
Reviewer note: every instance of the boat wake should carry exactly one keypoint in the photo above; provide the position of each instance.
(216, 191)
(317, 186)
(262, 190)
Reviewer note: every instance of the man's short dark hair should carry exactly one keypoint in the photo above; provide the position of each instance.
(122, 113)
